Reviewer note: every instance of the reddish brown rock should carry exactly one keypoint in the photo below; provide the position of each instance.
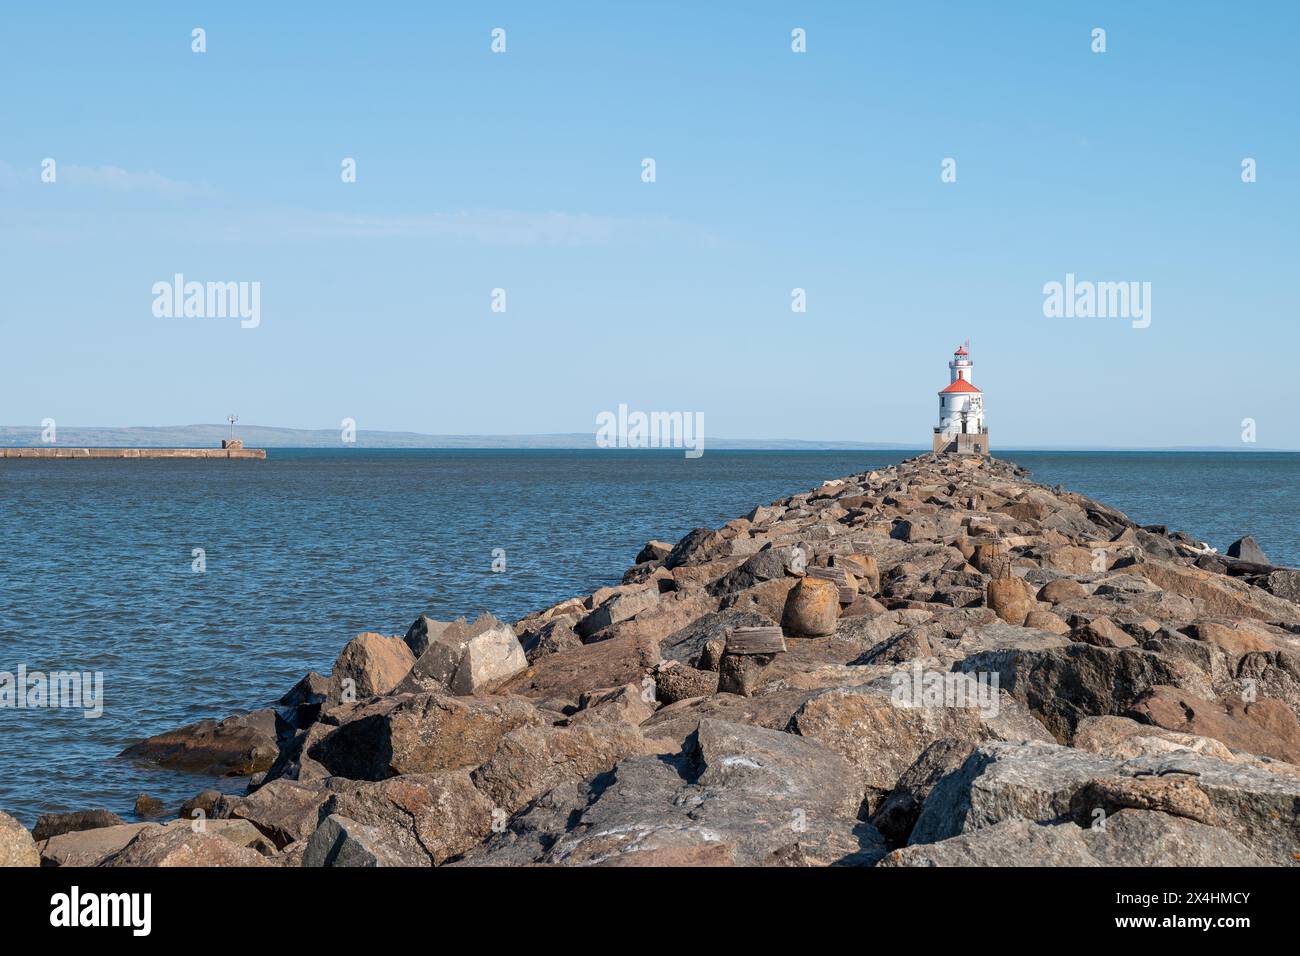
(1266, 727)
(369, 665)
(812, 609)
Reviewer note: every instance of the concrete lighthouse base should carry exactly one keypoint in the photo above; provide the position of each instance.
(962, 444)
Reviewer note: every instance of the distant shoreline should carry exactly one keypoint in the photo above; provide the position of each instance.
(269, 437)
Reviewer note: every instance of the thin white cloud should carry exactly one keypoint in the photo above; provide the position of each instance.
(106, 177)
(123, 180)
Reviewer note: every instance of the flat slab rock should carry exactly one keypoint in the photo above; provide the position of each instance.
(1128, 838)
(742, 794)
(1045, 783)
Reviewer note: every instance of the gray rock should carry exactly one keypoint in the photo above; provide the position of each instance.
(1245, 549)
(414, 820)
(54, 824)
(758, 791)
(882, 738)
(1063, 685)
(419, 733)
(1134, 838)
(1044, 783)
(467, 658)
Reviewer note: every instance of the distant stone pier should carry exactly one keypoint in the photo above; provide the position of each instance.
(235, 450)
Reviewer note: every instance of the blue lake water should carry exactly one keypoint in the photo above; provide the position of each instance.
(310, 547)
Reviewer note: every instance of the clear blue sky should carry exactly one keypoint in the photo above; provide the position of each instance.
(775, 170)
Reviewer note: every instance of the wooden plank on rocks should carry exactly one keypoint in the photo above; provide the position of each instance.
(840, 578)
(755, 640)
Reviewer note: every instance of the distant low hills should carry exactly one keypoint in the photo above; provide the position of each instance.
(263, 436)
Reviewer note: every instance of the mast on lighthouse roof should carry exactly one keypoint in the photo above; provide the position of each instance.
(961, 429)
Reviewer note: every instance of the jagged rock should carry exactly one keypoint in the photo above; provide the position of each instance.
(301, 704)
(897, 814)
(283, 810)
(654, 551)
(619, 607)
(53, 824)
(1103, 632)
(1063, 685)
(554, 637)
(183, 845)
(420, 733)
(339, 841)
(758, 790)
(1042, 783)
(1245, 549)
(236, 746)
(147, 807)
(1265, 726)
(812, 608)
(1215, 595)
(368, 666)
(1125, 738)
(466, 658)
(630, 704)
(423, 633)
(882, 729)
(567, 675)
(17, 848)
(413, 820)
(682, 682)
(687, 644)
(1134, 838)
(697, 547)
(531, 760)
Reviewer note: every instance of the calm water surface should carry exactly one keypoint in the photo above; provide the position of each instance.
(308, 548)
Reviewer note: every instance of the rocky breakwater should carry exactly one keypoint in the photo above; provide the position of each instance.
(936, 663)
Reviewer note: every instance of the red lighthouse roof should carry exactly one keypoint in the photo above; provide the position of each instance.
(961, 350)
(961, 385)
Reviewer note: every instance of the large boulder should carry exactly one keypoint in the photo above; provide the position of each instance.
(468, 658)
(618, 607)
(368, 666)
(420, 733)
(54, 824)
(284, 811)
(1133, 838)
(812, 608)
(1010, 598)
(184, 846)
(1265, 726)
(423, 632)
(414, 820)
(1245, 549)
(89, 847)
(531, 760)
(765, 794)
(569, 674)
(882, 732)
(1045, 783)
(17, 848)
(1062, 685)
(236, 746)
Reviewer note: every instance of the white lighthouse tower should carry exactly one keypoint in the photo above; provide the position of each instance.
(961, 429)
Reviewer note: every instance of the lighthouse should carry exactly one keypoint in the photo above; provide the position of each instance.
(961, 429)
